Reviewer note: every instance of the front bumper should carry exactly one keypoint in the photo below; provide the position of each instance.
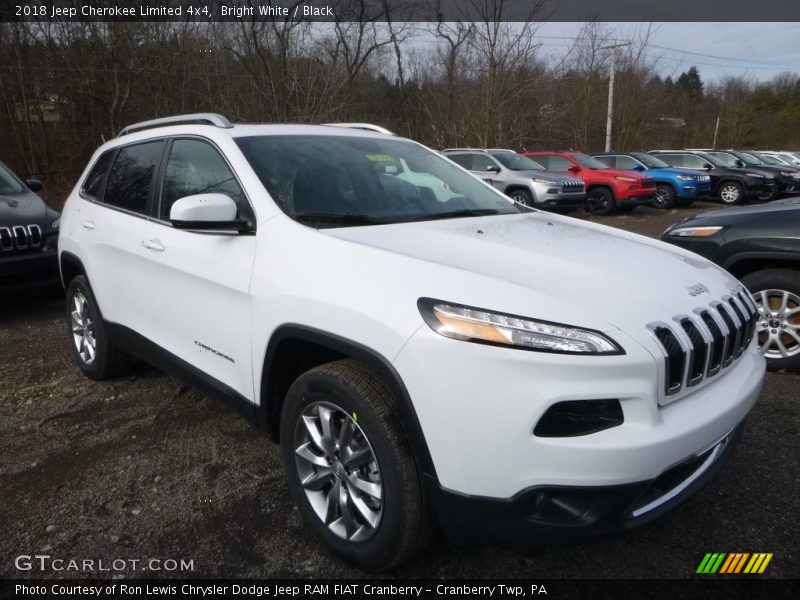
(29, 270)
(693, 190)
(638, 199)
(478, 407)
(551, 513)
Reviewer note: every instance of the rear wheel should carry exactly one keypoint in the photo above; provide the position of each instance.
(665, 196)
(350, 467)
(777, 294)
(600, 201)
(91, 346)
(731, 192)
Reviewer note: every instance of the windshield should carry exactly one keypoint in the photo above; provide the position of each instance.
(588, 161)
(729, 160)
(749, 159)
(650, 161)
(771, 160)
(336, 181)
(9, 183)
(517, 162)
(712, 159)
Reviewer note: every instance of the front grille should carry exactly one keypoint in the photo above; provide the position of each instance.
(20, 237)
(699, 346)
(572, 186)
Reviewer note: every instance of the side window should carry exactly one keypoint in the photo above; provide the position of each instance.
(195, 167)
(693, 162)
(131, 179)
(462, 160)
(542, 160)
(559, 164)
(94, 181)
(626, 162)
(611, 161)
(674, 160)
(482, 162)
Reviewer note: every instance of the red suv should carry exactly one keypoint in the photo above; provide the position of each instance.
(607, 190)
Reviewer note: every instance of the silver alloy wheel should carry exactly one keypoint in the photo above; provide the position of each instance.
(778, 323)
(520, 198)
(338, 471)
(83, 329)
(729, 193)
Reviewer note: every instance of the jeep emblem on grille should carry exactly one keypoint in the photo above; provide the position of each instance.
(697, 289)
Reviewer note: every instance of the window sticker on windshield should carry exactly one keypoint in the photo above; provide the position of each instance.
(380, 157)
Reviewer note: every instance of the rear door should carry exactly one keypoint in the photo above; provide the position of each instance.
(198, 283)
(110, 226)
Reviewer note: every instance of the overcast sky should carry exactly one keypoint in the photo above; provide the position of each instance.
(760, 50)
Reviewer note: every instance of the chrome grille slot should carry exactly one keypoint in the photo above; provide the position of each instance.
(699, 346)
(697, 363)
(35, 235)
(717, 344)
(20, 237)
(675, 359)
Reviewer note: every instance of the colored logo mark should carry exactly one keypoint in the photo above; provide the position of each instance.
(734, 562)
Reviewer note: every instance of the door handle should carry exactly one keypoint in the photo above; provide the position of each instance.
(154, 245)
(87, 224)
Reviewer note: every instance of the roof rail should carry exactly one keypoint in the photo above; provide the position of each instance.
(196, 119)
(364, 126)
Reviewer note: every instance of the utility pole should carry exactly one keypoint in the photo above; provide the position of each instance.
(716, 130)
(610, 116)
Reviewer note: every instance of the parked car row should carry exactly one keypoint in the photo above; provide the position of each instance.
(621, 181)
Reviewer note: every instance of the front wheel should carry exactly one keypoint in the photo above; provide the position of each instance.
(731, 193)
(777, 294)
(665, 197)
(600, 201)
(350, 467)
(522, 197)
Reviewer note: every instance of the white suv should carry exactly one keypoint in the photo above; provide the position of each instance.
(455, 362)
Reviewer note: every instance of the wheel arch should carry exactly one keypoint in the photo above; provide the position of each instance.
(293, 349)
(740, 265)
(70, 266)
(606, 186)
(513, 187)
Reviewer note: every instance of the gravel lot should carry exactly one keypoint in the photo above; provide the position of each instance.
(144, 467)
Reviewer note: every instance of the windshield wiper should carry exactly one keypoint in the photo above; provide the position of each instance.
(455, 214)
(343, 218)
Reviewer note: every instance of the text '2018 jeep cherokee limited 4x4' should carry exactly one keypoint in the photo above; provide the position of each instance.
(461, 362)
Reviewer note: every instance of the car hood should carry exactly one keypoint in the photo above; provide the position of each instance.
(599, 274)
(25, 208)
(611, 173)
(723, 216)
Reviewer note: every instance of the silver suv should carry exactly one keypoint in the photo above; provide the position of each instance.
(521, 178)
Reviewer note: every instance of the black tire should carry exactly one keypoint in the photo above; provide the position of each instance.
(108, 361)
(522, 197)
(665, 197)
(357, 398)
(773, 194)
(773, 283)
(731, 192)
(600, 201)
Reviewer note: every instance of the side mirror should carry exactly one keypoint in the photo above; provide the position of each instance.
(574, 169)
(206, 211)
(739, 163)
(708, 166)
(638, 167)
(34, 185)
(493, 169)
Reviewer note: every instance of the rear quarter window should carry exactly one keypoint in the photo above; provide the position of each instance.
(130, 182)
(93, 184)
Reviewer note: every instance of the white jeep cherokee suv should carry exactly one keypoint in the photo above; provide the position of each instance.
(457, 362)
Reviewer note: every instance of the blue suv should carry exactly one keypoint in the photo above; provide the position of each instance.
(673, 184)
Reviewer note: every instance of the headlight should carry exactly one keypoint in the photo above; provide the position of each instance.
(55, 224)
(787, 174)
(483, 326)
(756, 175)
(687, 177)
(628, 179)
(539, 180)
(695, 232)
